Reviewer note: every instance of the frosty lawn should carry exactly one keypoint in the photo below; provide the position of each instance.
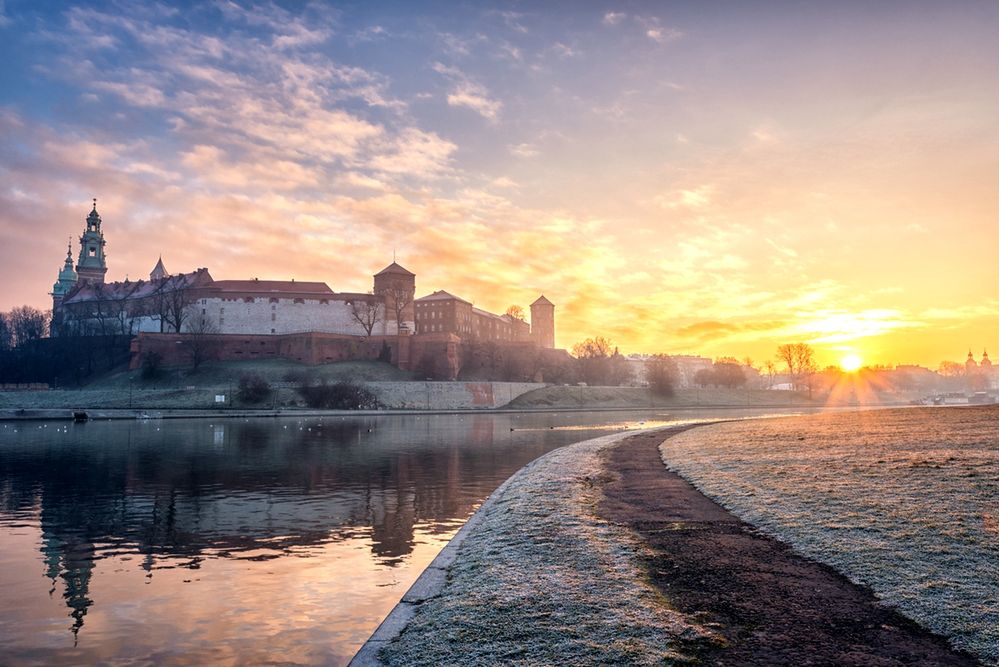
(542, 580)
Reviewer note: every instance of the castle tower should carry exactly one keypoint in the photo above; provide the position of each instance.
(159, 271)
(397, 286)
(66, 280)
(543, 323)
(92, 264)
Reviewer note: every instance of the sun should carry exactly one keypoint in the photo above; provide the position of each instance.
(851, 363)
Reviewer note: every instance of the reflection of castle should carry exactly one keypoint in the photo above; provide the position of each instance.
(981, 376)
(187, 492)
(84, 304)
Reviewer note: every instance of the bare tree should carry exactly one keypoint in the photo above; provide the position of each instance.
(367, 313)
(6, 333)
(800, 361)
(516, 312)
(770, 368)
(26, 324)
(172, 304)
(593, 356)
(398, 298)
(201, 341)
(661, 372)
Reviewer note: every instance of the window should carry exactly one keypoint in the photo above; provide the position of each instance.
(299, 301)
(248, 299)
(274, 299)
(272, 330)
(221, 311)
(324, 302)
(273, 317)
(93, 252)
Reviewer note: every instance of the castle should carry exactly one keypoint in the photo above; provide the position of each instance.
(306, 321)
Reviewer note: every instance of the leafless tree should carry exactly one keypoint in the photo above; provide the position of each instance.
(800, 361)
(26, 324)
(201, 341)
(6, 333)
(516, 312)
(367, 313)
(770, 368)
(171, 302)
(398, 298)
(661, 372)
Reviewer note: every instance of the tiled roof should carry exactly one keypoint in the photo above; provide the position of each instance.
(271, 286)
(138, 289)
(441, 295)
(541, 300)
(395, 268)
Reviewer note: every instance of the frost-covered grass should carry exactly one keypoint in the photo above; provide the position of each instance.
(904, 501)
(542, 580)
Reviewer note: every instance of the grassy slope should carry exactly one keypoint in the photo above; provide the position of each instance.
(179, 388)
(638, 397)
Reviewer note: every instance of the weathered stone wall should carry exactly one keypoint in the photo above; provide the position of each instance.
(449, 395)
(276, 315)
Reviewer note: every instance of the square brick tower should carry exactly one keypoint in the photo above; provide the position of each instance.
(543, 323)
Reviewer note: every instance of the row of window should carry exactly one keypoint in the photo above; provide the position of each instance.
(250, 299)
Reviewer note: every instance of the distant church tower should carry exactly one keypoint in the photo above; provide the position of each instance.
(159, 271)
(92, 264)
(543, 322)
(66, 280)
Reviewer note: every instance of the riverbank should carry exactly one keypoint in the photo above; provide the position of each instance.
(596, 553)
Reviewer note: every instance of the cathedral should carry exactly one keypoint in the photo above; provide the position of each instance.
(83, 303)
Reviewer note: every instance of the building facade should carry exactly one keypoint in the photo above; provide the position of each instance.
(85, 304)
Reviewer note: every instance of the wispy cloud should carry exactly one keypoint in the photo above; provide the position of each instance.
(468, 93)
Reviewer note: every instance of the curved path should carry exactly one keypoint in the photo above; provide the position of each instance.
(597, 554)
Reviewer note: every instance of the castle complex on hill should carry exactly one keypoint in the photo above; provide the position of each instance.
(306, 321)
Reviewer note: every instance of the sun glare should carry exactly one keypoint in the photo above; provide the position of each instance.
(851, 363)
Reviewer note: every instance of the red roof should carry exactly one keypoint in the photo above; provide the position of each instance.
(271, 286)
(395, 268)
(441, 295)
(542, 301)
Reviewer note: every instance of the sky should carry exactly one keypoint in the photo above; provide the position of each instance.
(711, 178)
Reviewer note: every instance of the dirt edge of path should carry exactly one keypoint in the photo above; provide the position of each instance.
(769, 605)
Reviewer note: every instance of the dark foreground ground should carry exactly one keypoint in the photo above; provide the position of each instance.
(771, 606)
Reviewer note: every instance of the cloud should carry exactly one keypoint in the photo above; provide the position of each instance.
(613, 18)
(524, 150)
(467, 93)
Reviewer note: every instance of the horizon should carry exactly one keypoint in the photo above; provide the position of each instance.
(689, 180)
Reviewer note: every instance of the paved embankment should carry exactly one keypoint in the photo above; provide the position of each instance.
(597, 554)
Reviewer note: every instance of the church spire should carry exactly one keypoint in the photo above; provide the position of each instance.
(92, 264)
(159, 271)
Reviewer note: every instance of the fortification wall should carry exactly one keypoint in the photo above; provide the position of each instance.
(276, 315)
(449, 395)
(307, 348)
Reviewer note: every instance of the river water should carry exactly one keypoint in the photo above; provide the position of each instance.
(258, 541)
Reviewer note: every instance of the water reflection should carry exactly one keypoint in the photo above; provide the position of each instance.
(222, 516)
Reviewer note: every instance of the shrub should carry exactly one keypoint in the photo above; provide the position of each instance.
(152, 362)
(343, 395)
(253, 389)
(297, 375)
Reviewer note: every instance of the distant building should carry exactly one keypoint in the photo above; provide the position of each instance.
(981, 376)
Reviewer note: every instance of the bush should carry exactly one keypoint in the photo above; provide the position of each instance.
(297, 375)
(151, 364)
(340, 396)
(253, 389)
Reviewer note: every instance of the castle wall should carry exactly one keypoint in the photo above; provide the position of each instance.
(246, 315)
